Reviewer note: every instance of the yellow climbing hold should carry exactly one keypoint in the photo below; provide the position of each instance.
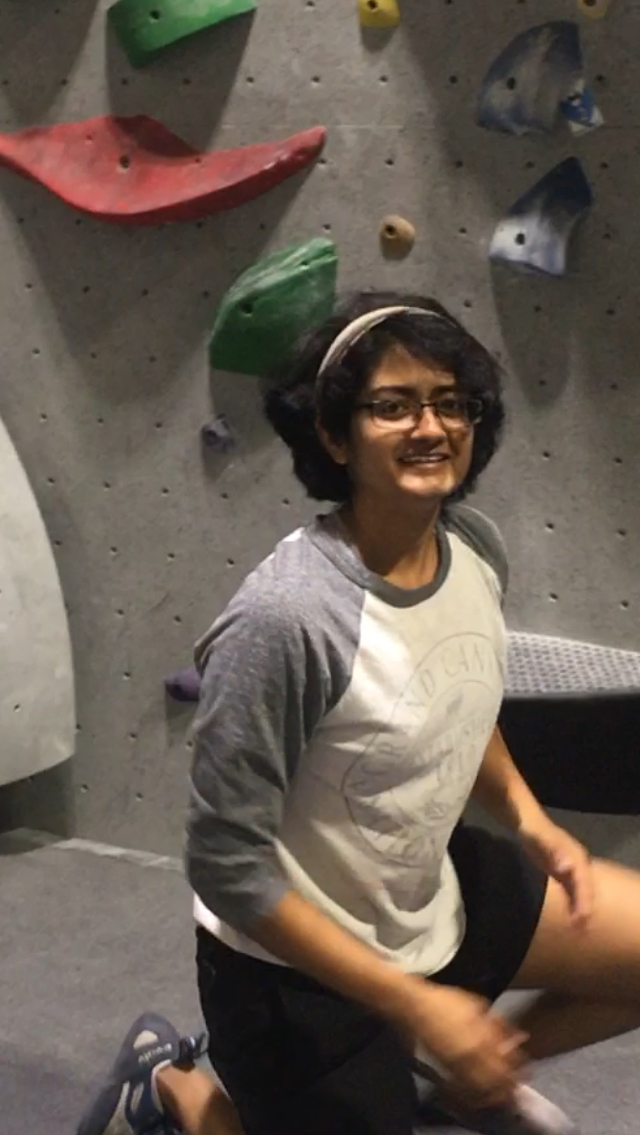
(397, 236)
(379, 13)
(596, 9)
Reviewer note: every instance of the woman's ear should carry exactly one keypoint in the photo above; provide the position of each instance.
(339, 451)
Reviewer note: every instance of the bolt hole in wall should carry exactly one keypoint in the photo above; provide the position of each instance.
(622, 533)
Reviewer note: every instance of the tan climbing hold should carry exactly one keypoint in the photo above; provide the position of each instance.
(397, 236)
(379, 13)
(595, 9)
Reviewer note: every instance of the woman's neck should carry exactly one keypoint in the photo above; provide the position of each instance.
(404, 551)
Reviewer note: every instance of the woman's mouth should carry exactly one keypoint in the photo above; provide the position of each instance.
(430, 459)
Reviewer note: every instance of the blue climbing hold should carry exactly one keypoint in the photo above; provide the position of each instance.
(539, 75)
(535, 233)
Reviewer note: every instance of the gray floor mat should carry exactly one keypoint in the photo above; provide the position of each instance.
(89, 940)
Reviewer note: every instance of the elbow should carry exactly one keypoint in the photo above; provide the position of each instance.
(238, 892)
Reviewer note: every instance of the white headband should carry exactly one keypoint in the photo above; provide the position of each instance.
(359, 327)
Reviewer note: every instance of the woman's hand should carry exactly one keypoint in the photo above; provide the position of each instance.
(478, 1054)
(565, 859)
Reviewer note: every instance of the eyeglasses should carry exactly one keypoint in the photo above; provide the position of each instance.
(455, 411)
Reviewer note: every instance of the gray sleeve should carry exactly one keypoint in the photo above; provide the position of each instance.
(264, 690)
(484, 536)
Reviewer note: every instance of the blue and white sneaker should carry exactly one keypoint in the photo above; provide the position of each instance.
(128, 1102)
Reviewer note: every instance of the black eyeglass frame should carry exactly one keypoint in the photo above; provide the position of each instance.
(420, 405)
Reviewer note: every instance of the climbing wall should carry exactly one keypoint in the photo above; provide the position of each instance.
(106, 380)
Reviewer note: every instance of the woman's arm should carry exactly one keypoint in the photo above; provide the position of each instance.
(500, 788)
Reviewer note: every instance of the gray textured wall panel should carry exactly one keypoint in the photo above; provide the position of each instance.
(105, 376)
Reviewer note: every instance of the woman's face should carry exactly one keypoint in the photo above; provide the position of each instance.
(386, 457)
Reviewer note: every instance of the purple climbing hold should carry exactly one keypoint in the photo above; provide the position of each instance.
(184, 685)
(217, 435)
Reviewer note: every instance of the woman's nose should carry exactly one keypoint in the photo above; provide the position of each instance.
(429, 423)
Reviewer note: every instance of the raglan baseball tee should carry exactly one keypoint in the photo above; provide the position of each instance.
(340, 730)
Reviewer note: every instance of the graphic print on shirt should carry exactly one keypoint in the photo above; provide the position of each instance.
(407, 787)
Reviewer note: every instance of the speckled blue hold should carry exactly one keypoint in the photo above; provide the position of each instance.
(580, 110)
(532, 79)
(184, 685)
(535, 233)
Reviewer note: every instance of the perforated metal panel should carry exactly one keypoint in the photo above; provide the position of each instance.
(542, 665)
(105, 382)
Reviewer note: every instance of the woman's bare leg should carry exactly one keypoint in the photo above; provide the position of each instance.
(197, 1102)
(590, 978)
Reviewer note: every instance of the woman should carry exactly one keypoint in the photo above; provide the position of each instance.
(350, 696)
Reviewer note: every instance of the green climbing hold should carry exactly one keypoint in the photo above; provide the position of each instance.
(144, 27)
(271, 304)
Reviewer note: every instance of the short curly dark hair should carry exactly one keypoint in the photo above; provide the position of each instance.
(289, 397)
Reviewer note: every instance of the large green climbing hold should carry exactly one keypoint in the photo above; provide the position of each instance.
(271, 304)
(144, 27)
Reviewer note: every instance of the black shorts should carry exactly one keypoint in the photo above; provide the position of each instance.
(298, 1058)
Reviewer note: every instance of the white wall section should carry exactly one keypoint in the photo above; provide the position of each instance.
(37, 711)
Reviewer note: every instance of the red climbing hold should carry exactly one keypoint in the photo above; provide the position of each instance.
(135, 171)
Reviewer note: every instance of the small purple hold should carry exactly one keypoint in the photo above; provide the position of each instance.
(184, 685)
(217, 435)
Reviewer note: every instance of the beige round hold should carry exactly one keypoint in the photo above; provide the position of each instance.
(397, 235)
(596, 9)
